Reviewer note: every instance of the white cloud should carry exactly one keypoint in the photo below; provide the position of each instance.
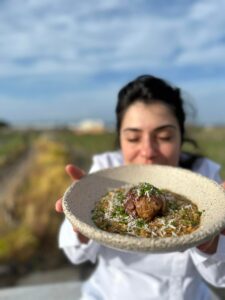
(214, 55)
(207, 96)
(64, 36)
(202, 35)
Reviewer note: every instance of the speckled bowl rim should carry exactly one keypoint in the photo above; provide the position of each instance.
(129, 243)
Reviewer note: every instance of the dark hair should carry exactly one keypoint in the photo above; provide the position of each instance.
(149, 89)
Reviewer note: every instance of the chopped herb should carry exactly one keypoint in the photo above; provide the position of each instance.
(147, 189)
(140, 223)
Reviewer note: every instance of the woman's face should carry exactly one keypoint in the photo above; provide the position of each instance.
(150, 134)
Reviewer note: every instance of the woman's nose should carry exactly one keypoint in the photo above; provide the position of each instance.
(149, 148)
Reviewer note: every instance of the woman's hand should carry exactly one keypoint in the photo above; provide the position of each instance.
(211, 246)
(76, 174)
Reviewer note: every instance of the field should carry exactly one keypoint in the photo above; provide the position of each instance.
(211, 143)
(33, 177)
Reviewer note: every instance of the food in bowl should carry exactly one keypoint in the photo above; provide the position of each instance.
(143, 210)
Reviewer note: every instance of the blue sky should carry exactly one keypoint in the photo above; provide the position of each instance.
(65, 60)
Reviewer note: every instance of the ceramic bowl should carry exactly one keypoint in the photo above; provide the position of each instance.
(80, 198)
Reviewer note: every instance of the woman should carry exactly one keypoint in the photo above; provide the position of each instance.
(150, 127)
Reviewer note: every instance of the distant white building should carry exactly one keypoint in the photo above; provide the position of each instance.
(90, 126)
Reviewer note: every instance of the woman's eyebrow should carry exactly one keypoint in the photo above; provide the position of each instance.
(167, 126)
(133, 129)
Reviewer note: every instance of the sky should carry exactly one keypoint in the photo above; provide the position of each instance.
(65, 60)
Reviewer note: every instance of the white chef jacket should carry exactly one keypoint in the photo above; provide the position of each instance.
(139, 276)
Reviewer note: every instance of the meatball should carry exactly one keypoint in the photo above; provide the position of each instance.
(143, 206)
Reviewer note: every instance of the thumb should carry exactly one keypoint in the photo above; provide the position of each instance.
(74, 172)
(58, 206)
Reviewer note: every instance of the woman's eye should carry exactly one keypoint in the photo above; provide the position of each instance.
(133, 140)
(165, 138)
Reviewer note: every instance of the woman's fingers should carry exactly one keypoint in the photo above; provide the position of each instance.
(74, 172)
(210, 246)
(58, 206)
(83, 239)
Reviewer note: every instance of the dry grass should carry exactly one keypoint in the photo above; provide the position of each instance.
(37, 222)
